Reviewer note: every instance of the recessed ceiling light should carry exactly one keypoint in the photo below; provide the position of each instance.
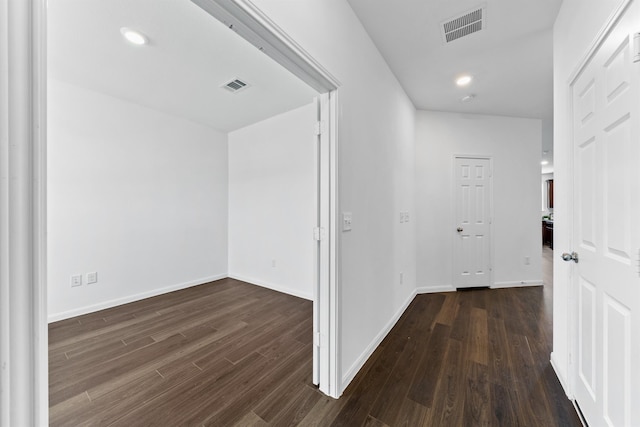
(544, 162)
(468, 98)
(463, 80)
(133, 36)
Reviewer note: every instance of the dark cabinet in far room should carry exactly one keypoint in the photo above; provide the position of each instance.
(547, 233)
(550, 193)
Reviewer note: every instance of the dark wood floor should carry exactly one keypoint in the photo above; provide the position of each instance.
(229, 353)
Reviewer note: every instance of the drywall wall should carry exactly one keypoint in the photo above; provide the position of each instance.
(138, 196)
(575, 30)
(514, 146)
(375, 169)
(547, 145)
(272, 202)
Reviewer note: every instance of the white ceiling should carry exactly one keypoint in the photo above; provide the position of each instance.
(510, 60)
(190, 55)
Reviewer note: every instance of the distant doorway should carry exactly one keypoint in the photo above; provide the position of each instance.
(472, 233)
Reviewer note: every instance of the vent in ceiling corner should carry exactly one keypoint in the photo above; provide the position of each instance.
(235, 85)
(463, 25)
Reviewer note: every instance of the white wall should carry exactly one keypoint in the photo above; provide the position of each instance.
(575, 29)
(514, 145)
(272, 206)
(138, 196)
(376, 143)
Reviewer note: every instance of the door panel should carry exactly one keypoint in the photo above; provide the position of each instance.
(472, 257)
(606, 234)
(587, 336)
(617, 369)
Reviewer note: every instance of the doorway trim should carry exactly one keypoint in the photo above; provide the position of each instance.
(454, 223)
(258, 29)
(23, 289)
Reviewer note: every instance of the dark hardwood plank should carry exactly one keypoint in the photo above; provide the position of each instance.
(447, 409)
(503, 406)
(269, 407)
(389, 404)
(478, 336)
(460, 327)
(449, 310)
(260, 387)
(424, 385)
(411, 414)
(477, 400)
(230, 353)
(298, 408)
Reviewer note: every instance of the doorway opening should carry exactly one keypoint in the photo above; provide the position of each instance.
(248, 21)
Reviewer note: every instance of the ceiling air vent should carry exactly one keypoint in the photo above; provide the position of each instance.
(235, 85)
(463, 25)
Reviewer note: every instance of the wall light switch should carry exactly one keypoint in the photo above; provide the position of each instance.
(347, 219)
(92, 278)
(76, 280)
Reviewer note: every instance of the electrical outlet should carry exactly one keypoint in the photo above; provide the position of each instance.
(273, 263)
(401, 278)
(527, 260)
(92, 278)
(76, 280)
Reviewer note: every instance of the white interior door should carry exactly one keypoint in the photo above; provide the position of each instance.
(606, 218)
(322, 366)
(472, 233)
(318, 238)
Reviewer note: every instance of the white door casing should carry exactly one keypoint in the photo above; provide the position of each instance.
(472, 228)
(606, 228)
(23, 314)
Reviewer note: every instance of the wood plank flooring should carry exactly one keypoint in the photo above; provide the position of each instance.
(229, 353)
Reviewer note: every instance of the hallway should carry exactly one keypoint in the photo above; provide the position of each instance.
(478, 357)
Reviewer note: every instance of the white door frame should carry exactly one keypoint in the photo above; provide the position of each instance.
(572, 302)
(254, 26)
(454, 224)
(24, 391)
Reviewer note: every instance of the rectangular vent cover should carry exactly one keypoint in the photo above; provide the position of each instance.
(235, 85)
(461, 26)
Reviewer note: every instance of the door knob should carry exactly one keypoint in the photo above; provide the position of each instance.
(459, 229)
(573, 256)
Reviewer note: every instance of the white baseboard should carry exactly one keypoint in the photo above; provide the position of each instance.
(516, 284)
(273, 286)
(435, 289)
(359, 363)
(561, 377)
(131, 298)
